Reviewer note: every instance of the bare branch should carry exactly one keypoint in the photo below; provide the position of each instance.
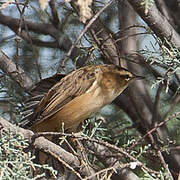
(55, 20)
(165, 11)
(18, 75)
(120, 151)
(157, 22)
(61, 42)
(105, 42)
(41, 28)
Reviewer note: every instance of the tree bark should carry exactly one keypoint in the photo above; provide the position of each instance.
(140, 105)
(16, 73)
(157, 22)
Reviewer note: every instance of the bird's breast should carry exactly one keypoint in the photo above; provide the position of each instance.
(78, 109)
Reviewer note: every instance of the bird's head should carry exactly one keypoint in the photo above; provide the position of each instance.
(117, 77)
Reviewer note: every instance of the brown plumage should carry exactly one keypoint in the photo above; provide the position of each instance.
(76, 96)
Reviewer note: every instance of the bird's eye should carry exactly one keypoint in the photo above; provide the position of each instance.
(126, 77)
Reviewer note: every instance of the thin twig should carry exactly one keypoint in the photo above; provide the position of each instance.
(19, 30)
(65, 164)
(130, 27)
(130, 35)
(82, 33)
(55, 20)
(155, 128)
(173, 104)
(19, 33)
(160, 156)
(100, 172)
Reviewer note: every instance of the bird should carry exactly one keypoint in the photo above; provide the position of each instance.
(72, 98)
(62, 102)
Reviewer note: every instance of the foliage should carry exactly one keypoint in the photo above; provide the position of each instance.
(15, 163)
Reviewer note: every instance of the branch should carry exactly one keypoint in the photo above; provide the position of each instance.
(165, 11)
(40, 28)
(88, 25)
(84, 139)
(55, 20)
(50, 44)
(173, 7)
(14, 72)
(141, 106)
(122, 172)
(105, 42)
(61, 42)
(157, 22)
(45, 145)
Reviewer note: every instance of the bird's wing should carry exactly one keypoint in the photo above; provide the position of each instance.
(44, 85)
(36, 94)
(73, 85)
